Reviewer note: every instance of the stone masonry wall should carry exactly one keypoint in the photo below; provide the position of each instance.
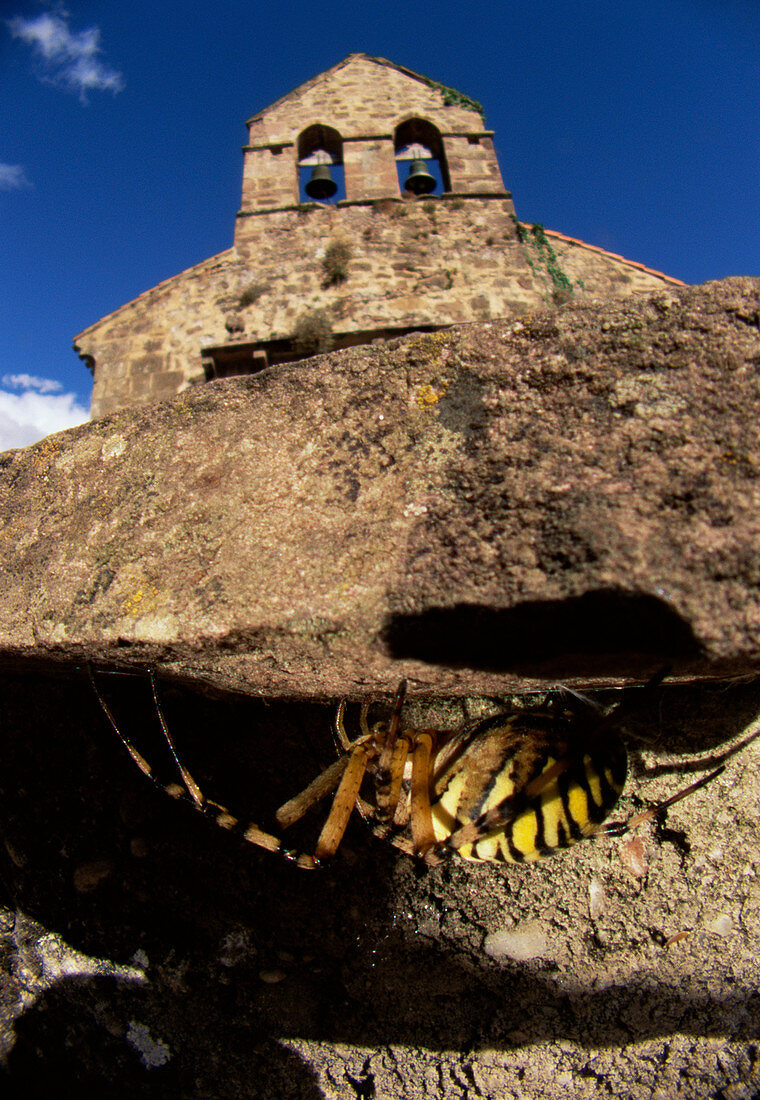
(421, 262)
(362, 95)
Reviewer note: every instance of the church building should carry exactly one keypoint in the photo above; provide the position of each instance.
(372, 205)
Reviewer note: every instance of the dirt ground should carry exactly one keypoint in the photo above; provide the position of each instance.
(147, 953)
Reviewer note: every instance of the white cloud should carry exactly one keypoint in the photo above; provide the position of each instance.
(31, 382)
(36, 411)
(13, 177)
(69, 58)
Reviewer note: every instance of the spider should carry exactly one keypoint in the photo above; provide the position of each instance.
(509, 788)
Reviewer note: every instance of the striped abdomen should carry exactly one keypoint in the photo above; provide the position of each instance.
(519, 787)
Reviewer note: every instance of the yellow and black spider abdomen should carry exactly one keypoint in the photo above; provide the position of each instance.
(524, 786)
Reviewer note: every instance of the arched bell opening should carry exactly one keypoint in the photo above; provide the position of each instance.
(320, 165)
(420, 158)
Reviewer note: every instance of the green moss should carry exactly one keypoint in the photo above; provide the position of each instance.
(454, 98)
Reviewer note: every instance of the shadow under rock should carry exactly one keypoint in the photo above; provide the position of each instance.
(616, 629)
(239, 948)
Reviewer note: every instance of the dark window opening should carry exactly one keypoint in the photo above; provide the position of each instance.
(232, 360)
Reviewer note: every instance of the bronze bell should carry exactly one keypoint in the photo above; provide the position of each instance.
(419, 181)
(321, 185)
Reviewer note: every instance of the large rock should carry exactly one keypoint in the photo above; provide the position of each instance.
(554, 498)
(570, 496)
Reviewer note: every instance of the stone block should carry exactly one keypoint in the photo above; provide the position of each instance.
(568, 497)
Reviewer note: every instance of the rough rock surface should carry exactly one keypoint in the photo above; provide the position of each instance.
(572, 496)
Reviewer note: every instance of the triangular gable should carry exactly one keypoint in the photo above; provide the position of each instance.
(364, 95)
(307, 85)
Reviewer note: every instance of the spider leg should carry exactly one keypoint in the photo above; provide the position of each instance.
(190, 785)
(296, 807)
(432, 857)
(498, 816)
(138, 758)
(343, 803)
(347, 775)
(384, 773)
(364, 807)
(389, 793)
(423, 834)
(619, 828)
(546, 778)
(213, 810)
(340, 729)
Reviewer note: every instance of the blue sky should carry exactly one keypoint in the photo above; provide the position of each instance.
(633, 126)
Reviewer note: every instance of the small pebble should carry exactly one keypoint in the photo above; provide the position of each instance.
(153, 1052)
(89, 875)
(597, 900)
(272, 977)
(526, 941)
(633, 857)
(721, 925)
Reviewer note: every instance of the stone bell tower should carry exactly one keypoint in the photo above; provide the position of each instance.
(364, 115)
(372, 206)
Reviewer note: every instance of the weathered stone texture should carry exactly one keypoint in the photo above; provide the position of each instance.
(367, 94)
(570, 496)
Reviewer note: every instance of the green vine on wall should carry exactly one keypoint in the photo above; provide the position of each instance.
(534, 237)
